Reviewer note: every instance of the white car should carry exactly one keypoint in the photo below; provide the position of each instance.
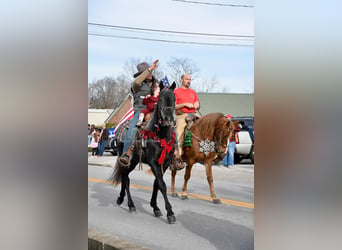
(244, 147)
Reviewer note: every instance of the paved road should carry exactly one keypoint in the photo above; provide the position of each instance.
(200, 223)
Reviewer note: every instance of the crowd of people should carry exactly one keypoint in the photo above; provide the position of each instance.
(145, 90)
(97, 139)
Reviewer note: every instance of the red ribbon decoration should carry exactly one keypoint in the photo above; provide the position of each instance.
(166, 148)
(148, 134)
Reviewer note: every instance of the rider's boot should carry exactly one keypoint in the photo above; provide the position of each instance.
(177, 162)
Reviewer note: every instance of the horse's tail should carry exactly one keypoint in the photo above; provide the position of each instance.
(115, 178)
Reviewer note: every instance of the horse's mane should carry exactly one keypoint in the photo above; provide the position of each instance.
(208, 123)
(153, 120)
(164, 94)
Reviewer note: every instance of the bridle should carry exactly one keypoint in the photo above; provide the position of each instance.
(162, 109)
(219, 143)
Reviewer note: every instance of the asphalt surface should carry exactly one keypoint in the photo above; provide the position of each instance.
(241, 173)
(236, 222)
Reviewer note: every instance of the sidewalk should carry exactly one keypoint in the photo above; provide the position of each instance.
(240, 173)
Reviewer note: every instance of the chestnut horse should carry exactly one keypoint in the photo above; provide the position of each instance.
(210, 136)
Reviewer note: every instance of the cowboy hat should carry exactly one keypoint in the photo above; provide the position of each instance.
(141, 68)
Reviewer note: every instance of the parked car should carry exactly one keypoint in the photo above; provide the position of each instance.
(244, 139)
(111, 143)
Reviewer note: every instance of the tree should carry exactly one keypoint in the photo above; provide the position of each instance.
(180, 66)
(107, 93)
(206, 86)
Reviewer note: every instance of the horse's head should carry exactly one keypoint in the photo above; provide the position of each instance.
(166, 105)
(224, 132)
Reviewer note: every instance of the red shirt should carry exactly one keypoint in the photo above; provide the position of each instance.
(186, 96)
(234, 137)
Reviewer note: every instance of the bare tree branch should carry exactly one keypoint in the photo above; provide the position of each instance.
(179, 66)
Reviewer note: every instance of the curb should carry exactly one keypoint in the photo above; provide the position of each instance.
(102, 241)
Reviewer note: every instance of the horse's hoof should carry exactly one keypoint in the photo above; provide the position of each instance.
(132, 210)
(157, 213)
(184, 197)
(119, 200)
(171, 219)
(217, 201)
(174, 194)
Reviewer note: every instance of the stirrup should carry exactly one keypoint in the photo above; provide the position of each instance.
(177, 164)
(189, 119)
(124, 160)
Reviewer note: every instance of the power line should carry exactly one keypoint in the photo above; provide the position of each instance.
(165, 31)
(186, 36)
(170, 41)
(219, 4)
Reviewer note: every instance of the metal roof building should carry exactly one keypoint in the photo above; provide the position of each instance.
(233, 104)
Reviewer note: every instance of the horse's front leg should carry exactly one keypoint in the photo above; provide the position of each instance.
(187, 175)
(160, 183)
(208, 169)
(153, 202)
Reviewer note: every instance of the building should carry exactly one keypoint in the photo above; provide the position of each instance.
(124, 106)
(98, 116)
(233, 104)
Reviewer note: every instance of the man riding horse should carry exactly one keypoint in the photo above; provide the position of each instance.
(187, 103)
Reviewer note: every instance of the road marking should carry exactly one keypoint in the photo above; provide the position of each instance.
(190, 195)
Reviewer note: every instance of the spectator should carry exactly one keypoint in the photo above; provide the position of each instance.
(103, 140)
(90, 131)
(94, 142)
(228, 160)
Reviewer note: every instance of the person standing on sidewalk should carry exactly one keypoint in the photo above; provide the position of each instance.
(103, 140)
(94, 142)
(228, 160)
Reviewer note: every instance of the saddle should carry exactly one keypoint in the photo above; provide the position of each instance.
(190, 120)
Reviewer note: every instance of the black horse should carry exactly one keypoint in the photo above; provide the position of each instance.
(160, 142)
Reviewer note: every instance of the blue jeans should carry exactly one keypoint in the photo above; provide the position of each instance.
(101, 147)
(131, 132)
(228, 160)
(89, 139)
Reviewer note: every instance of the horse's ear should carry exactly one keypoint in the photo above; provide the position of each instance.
(161, 85)
(236, 123)
(173, 86)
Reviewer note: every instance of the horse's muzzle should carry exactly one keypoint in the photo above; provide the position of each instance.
(169, 123)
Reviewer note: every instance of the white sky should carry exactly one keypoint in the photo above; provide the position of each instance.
(233, 66)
